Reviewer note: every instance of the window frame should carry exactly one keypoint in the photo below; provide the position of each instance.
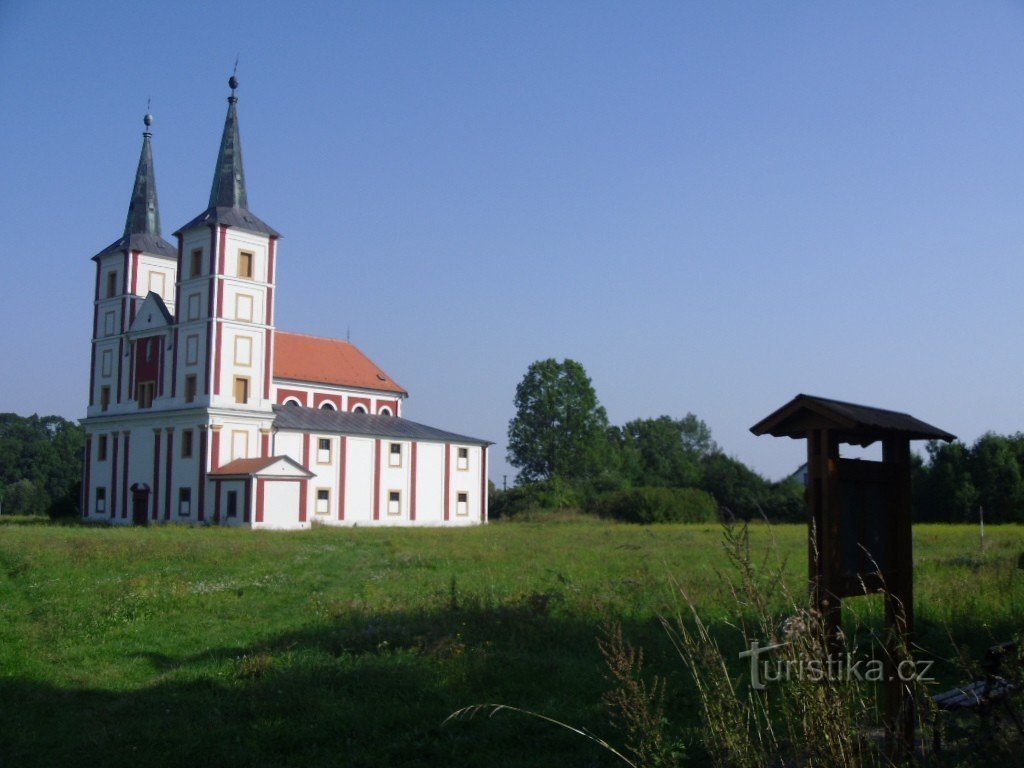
(462, 504)
(187, 443)
(462, 459)
(394, 498)
(185, 502)
(326, 501)
(244, 380)
(196, 263)
(248, 258)
(101, 447)
(100, 504)
(191, 387)
(145, 393)
(395, 457)
(322, 452)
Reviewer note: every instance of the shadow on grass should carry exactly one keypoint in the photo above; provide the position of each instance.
(360, 689)
(355, 689)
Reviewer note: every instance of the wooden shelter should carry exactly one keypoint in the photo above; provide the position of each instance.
(860, 536)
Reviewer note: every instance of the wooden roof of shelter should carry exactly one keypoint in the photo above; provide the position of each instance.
(853, 424)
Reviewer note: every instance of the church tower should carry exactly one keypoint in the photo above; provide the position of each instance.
(225, 309)
(138, 263)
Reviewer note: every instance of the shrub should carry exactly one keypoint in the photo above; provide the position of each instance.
(656, 505)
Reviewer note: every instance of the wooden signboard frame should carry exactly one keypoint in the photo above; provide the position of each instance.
(859, 525)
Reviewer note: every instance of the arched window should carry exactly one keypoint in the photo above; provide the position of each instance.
(327, 405)
(385, 411)
(359, 409)
(292, 401)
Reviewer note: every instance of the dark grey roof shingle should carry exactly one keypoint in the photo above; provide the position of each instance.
(371, 425)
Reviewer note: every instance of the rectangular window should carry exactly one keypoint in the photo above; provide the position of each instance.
(191, 388)
(101, 501)
(191, 350)
(243, 307)
(101, 448)
(193, 306)
(144, 393)
(462, 504)
(394, 502)
(197, 263)
(111, 284)
(232, 504)
(463, 459)
(244, 264)
(108, 362)
(241, 389)
(104, 398)
(157, 283)
(323, 501)
(108, 324)
(395, 455)
(243, 350)
(323, 450)
(186, 444)
(184, 502)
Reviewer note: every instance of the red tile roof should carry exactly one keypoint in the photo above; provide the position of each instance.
(328, 361)
(245, 466)
(255, 466)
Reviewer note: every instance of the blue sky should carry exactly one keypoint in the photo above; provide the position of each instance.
(713, 206)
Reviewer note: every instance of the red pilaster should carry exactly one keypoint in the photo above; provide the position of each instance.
(214, 447)
(170, 468)
(120, 364)
(112, 501)
(156, 474)
(203, 437)
(216, 501)
(86, 475)
(124, 476)
(247, 513)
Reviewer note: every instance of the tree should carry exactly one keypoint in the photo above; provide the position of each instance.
(945, 491)
(666, 452)
(560, 429)
(996, 473)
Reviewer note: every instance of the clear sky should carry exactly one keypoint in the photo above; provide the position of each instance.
(713, 206)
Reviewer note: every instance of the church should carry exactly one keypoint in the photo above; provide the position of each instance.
(202, 411)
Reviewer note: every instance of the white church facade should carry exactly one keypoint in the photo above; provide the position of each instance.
(202, 411)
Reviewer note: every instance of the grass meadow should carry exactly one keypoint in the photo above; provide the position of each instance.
(171, 646)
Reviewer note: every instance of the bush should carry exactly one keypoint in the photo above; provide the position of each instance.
(554, 494)
(656, 505)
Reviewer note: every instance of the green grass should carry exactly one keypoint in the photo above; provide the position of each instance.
(169, 646)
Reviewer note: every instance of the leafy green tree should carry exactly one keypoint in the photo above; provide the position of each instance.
(666, 452)
(45, 452)
(945, 491)
(738, 489)
(559, 429)
(996, 473)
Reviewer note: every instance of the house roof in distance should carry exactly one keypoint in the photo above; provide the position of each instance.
(298, 357)
(304, 419)
(855, 424)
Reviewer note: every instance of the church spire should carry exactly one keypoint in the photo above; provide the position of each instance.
(142, 225)
(144, 209)
(229, 177)
(229, 203)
